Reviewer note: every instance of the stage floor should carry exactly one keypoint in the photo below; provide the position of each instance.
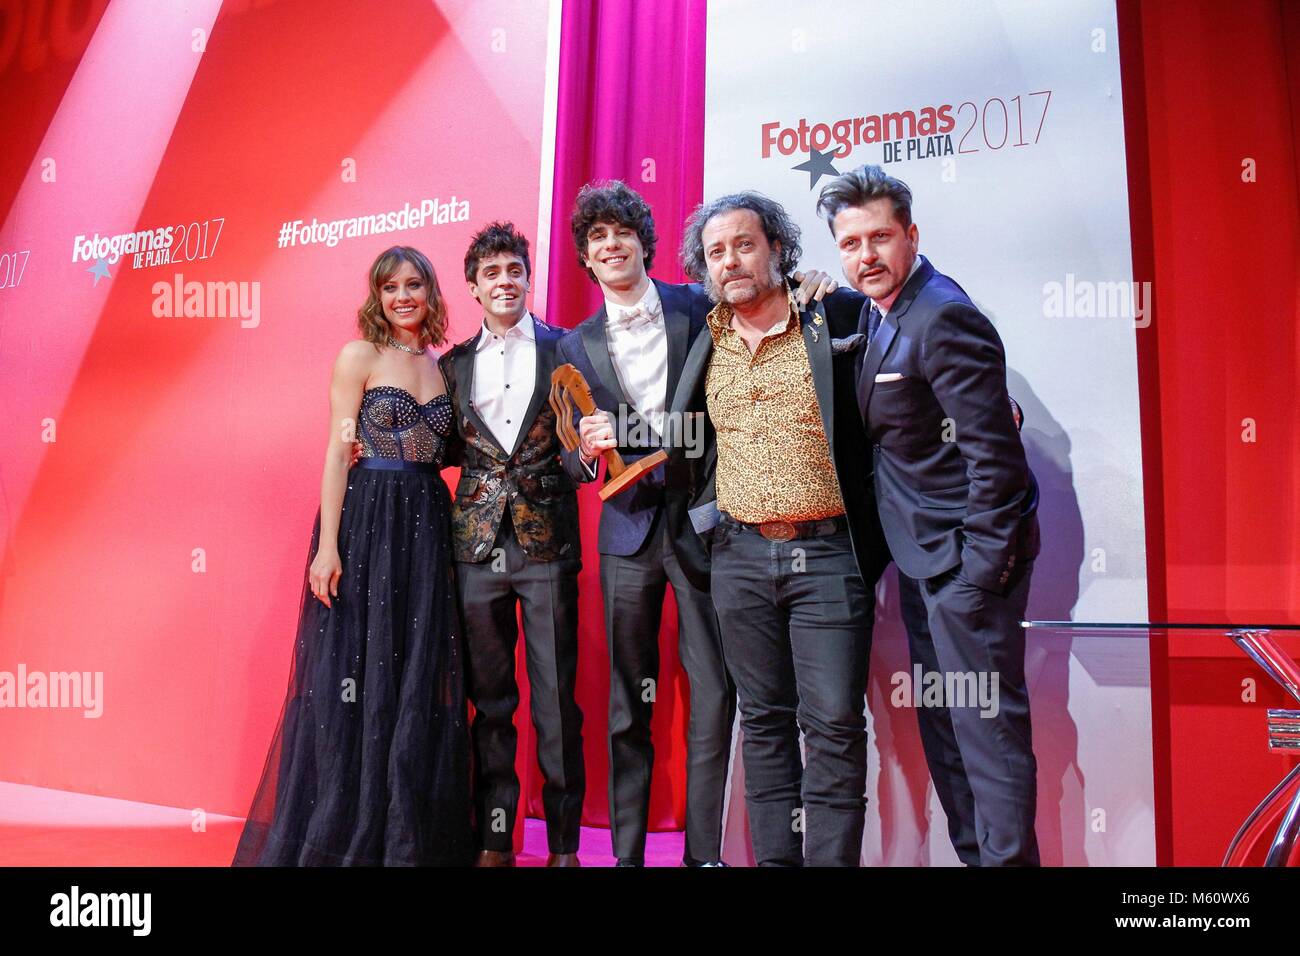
(41, 827)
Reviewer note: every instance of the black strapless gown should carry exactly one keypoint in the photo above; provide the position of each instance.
(369, 764)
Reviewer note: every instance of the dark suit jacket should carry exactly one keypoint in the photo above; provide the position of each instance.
(829, 334)
(626, 518)
(951, 481)
(530, 477)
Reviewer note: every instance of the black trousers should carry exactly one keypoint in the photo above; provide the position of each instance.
(977, 633)
(633, 588)
(938, 739)
(547, 593)
(796, 631)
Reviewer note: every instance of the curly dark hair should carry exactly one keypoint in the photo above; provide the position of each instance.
(777, 226)
(494, 238)
(613, 201)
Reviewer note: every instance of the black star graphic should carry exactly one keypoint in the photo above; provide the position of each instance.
(817, 166)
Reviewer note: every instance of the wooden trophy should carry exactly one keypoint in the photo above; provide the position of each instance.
(569, 389)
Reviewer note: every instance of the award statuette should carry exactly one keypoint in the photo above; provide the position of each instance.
(569, 389)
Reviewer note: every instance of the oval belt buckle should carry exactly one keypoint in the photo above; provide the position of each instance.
(776, 530)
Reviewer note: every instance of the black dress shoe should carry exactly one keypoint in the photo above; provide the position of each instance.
(627, 861)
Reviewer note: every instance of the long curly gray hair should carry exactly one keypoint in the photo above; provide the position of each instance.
(779, 228)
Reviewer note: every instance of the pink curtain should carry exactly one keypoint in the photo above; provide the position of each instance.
(631, 107)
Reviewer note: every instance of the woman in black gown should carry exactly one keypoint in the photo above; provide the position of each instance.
(369, 764)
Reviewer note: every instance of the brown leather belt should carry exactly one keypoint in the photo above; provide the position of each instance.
(789, 530)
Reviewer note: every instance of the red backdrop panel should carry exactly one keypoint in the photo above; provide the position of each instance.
(1217, 202)
(179, 434)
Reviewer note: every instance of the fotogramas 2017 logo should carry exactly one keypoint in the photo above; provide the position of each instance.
(160, 246)
(915, 133)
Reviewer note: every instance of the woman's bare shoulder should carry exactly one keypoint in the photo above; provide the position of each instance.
(355, 360)
(358, 350)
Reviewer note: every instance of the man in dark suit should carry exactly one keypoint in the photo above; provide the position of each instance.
(515, 539)
(796, 538)
(956, 498)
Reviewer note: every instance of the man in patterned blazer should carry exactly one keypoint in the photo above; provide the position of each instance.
(515, 530)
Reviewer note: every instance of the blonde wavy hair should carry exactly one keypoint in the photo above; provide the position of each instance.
(371, 321)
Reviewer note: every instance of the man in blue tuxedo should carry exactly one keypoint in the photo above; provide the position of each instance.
(956, 498)
(631, 352)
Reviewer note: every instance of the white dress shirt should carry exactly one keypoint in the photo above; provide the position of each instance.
(505, 372)
(638, 347)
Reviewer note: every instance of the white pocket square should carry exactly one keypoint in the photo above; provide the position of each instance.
(889, 377)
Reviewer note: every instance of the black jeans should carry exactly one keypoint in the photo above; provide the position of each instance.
(796, 635)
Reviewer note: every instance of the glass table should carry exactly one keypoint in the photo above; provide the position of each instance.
(1281, 807)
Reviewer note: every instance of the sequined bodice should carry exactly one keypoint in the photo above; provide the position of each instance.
(394, 425)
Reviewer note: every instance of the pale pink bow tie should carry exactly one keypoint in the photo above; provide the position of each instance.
(639, 314)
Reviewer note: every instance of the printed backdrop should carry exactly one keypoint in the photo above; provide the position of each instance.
(1005, 118)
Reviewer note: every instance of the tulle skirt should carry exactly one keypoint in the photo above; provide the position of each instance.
(370, 761)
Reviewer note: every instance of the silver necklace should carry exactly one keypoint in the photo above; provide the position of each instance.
(393, 343)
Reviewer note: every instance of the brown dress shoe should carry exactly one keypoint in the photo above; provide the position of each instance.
(563, 859)
(496, 858)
